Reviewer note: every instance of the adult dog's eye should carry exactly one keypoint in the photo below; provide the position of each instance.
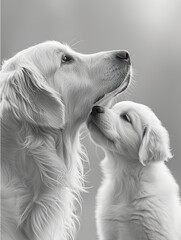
(66, 59)
(126, 118)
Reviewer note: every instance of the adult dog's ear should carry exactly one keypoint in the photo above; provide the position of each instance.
(155, 145)
(31, 99)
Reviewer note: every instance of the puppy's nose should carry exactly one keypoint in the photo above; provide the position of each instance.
(97, 109)
(123, 55)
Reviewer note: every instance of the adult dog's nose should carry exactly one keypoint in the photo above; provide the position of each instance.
(97, 109)
(123, 55)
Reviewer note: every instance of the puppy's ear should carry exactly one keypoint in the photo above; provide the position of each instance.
(155, 145)
(32, 99)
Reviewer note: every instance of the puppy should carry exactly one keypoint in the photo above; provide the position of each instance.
(138, 198)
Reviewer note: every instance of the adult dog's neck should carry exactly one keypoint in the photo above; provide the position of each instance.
(9, 137)
(44, 160)
(15, 132)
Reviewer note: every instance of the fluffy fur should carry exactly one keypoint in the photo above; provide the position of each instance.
(138, 198)
(47, 92)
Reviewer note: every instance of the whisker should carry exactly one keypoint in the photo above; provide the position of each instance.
(75, 44)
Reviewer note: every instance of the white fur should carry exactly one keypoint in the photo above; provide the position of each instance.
(44, 101)
(138, 198)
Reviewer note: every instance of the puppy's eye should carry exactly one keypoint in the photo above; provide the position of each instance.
(66, 59)
(126, 118)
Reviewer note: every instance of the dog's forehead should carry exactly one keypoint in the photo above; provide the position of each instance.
(51, 47)
(57, 46)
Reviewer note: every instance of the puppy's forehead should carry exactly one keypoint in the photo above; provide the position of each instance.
(142, 111)
(125, 106)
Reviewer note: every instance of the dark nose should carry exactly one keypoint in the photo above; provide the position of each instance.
(97, 109)
(123, 55)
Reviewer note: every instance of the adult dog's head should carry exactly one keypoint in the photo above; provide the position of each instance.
(130, 130)
(38, 84)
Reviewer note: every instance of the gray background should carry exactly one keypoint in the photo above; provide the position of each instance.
(149, 29)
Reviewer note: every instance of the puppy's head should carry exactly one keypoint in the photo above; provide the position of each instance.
(131, 130)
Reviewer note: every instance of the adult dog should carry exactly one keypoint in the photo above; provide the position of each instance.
(138, 198)
(47, 92)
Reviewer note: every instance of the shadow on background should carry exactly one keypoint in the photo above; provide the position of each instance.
(149, 30)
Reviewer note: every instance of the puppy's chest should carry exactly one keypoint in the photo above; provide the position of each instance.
(132, 217)
(118, 192)
(112, 200)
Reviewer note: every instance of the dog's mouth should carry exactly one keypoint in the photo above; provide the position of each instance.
(105, 98)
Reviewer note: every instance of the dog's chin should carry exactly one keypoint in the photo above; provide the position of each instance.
(105, 98)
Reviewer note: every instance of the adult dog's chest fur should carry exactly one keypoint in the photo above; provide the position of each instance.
(46, 177)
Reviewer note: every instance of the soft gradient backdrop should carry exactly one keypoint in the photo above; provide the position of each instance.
(149, 29)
